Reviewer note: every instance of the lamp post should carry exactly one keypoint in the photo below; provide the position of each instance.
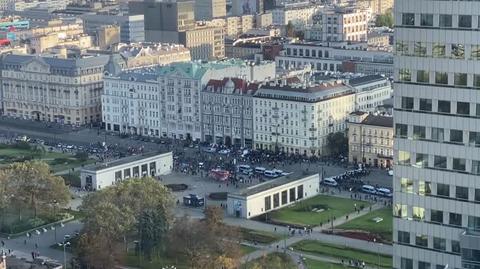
(378, 252)
(64, 245)
(55, 204)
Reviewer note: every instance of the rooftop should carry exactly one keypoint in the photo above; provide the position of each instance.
(69, 63)
(122, 161)
(354, 82)
(233, 85)
(270, 184)
(382, 121)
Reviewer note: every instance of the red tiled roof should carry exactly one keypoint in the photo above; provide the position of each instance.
(217, 85)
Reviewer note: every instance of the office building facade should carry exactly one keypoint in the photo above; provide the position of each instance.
(437, 135)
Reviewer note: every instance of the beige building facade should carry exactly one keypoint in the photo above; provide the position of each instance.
(370, 139)
(205, 42)
(145, 54)
(52, 89)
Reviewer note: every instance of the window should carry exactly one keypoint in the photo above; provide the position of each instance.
(408, 19)
(402, 48)
(459, 165)
(426, 20)
(461, 193)
(455, 246)
(463, 108)
(474, 138)
(420, 49)
(419, 132)
(292, 195)
(443, 106)
(477, 195)
(437, 134)
(436, 216)
(421, 160)
(475, 52)
(300, 192)
(443, 189)
(455, 219)
(406, 263)
(405, 75)
(476, 81)
(439, 243)
(441, 78)
(458, 51)
(401, 130)
(400, 211)
(276, 200)
(440, 162)
(424, 188)
(418, 213)
(445, 20)
(423, 76)
(464, 21)
(421, 240)
(456, 136)
(425, 104)
(404, 237)
(474, 223)
(423, 265)
(406, 185)
(476, 167)
(407, 103)
(268, 203)
(404, 157)
(438, 50)
(460, 79)
(477, 110)
(284, 198)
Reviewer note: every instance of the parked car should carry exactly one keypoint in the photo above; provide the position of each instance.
(369, 189)
(330, 182)
(270, 174)
(384, 192)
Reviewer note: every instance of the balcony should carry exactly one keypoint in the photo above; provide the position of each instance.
(313, 129)
(470, 248)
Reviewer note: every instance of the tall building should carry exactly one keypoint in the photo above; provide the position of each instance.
(437, 135)
(51, 89)
(131, 26)
(165, 19)
(210, 9)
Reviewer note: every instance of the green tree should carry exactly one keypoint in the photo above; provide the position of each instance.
(290, 29)
(33, 185)
(127, 210)
(337, 143)
(384, 19)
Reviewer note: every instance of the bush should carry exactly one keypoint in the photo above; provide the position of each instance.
(72, 180)
(81, 156)
(23, 225)
(22, 145)
(60, 161)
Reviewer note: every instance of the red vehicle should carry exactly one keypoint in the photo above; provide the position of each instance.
(219, 174)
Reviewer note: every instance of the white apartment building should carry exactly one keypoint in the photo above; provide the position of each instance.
(50, 5)
(296, 118)
(227, 112)
(299, 16)
(437, 135)
(338, 24)
(370, 92)
(335, 57)
(166, 101)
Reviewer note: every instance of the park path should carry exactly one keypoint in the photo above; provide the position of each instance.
(317, 235)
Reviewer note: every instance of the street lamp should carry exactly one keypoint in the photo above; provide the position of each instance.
(378, 252)
(64, 245)
(55, 204)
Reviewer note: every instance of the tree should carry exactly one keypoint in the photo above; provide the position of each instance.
(33, 185)
(385, 19)
(138, 208)
(206, 243)
(337, 143)
(290, 29)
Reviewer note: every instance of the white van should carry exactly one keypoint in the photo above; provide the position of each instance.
(243, 167)
(369, 189)
(260, 170)
(330, 182)
(278, 172)
(270, 174)
(384, 192)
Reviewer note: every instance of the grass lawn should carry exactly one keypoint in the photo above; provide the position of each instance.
(247, 249)
(132, 260)
(301, 214)
(274, 260)
(365, 223)
(260, 237)
(342, 252)
(314, 264)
